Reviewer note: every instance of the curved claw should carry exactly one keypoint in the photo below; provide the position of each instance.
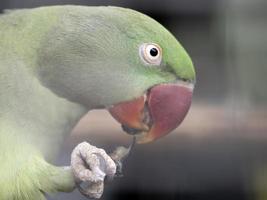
(93, 191)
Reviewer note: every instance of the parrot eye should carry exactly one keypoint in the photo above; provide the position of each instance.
(151, 53)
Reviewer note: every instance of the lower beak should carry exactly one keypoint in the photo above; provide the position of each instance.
(157, 113)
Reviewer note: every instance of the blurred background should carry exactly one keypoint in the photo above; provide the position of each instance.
(220, 151)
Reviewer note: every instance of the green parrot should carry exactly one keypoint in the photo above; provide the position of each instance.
(59, 62)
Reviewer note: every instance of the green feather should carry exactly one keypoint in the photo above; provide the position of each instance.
(56, 63)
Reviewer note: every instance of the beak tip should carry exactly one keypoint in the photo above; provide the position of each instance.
(144, 138)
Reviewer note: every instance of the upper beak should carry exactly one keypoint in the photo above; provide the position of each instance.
(157, 113)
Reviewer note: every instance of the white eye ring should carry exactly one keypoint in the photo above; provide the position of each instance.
(151, 53)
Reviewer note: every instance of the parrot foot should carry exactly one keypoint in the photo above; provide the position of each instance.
(90, 166)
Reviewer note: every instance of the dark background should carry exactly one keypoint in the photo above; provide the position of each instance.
(219, 152)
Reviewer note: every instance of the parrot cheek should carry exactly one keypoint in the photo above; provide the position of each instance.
(157, 113)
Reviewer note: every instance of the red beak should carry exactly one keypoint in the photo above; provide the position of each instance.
(158, 113)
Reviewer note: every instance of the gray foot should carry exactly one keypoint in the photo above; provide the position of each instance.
(90, 166)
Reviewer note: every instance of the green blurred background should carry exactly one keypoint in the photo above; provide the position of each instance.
(219, 152)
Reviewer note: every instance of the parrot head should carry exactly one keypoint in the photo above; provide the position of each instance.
(165, 101)
(124, 61)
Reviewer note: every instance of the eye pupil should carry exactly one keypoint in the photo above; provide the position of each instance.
(154, 52)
